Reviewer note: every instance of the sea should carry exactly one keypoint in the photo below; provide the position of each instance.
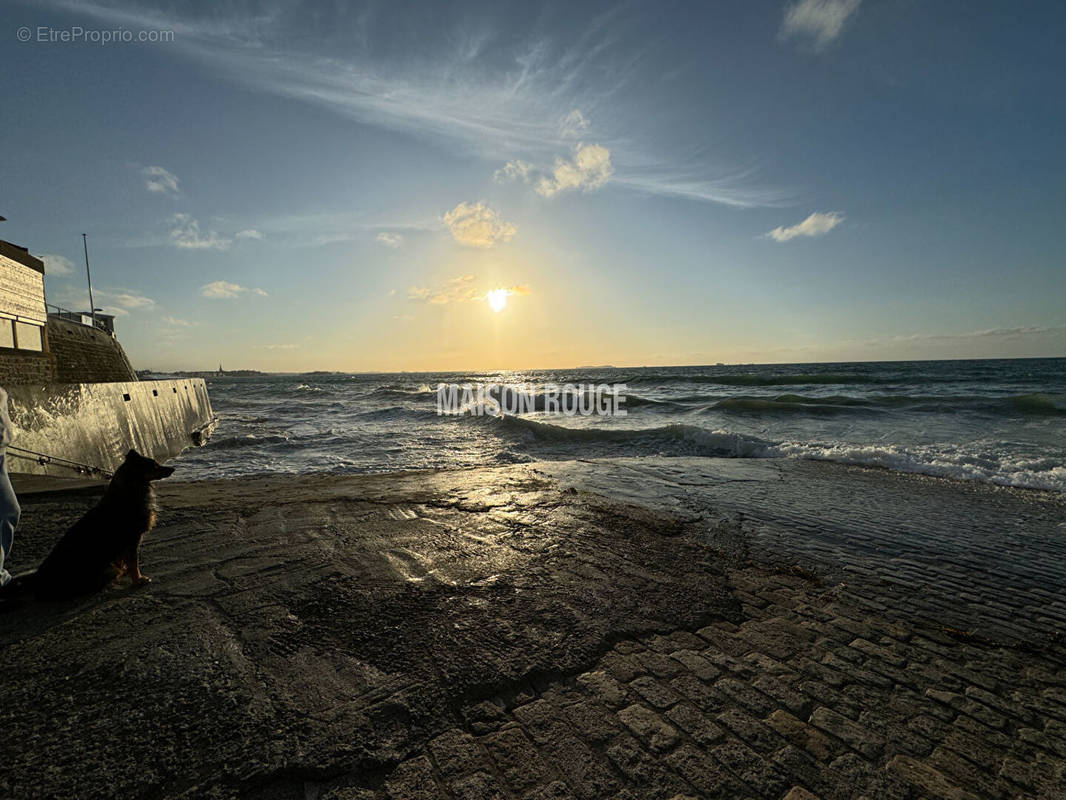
(995, 421)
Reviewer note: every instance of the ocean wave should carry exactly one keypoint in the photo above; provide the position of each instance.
(792, 404)
(676, 438)
(1039, 404)
(939, 461)
(395, 412)
(816, 379)
(972, 462)
(399, 392)
(1026, 404)
(760, 379)
(247, 440)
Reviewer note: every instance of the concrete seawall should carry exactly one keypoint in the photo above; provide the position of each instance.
(96, 423)
(84, 354)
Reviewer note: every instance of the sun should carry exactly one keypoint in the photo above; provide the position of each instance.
(497, 299)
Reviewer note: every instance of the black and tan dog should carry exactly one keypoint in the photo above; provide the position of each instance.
(104, 544)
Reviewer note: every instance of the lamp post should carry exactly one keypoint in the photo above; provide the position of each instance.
(89, 278)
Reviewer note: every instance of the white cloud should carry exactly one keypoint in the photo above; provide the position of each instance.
(171, 331)
(516, 170)
(130, 300)
(160, 180)
(56, 265)
(477, 225)
(460, 289)
(119, 302)
(588, 170)
(573, 125)
(455, 290)
(493, 94)
(221, 290)
(989, 333)
(817, 224)
(819, 21)
(276, 346)
(248, 233)
(393, 240)
(186, 234)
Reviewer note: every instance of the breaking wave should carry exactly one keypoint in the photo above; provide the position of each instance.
(987, 464)
(1025, 404)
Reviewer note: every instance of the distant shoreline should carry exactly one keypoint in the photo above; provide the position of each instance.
(474, 370)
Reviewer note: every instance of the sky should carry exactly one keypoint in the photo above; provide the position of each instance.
(345, 186)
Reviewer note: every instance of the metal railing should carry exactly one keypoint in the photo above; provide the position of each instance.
(77, 317)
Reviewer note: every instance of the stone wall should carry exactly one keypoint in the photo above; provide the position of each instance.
(96, 423)
(19, 367)
(86, 355)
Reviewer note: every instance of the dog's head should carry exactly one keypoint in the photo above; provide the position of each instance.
(141, 469)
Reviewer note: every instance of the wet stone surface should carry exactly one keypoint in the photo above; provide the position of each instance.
(490, 633)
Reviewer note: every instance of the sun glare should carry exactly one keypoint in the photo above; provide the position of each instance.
(497, 299)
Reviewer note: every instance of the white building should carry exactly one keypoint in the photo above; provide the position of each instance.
(22, 311)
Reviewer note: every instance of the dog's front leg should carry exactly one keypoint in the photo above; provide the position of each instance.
(133, 567)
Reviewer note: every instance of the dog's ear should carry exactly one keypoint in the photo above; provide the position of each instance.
(132, 454)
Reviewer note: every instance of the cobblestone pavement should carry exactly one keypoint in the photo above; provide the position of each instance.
(499, 633)
(811, 696)
(987, 559)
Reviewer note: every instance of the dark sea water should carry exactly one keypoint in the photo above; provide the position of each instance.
(997, 421)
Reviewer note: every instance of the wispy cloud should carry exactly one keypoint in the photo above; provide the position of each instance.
(171, 331)
(517, 170)
(460, 289)
(511, 291)
(315, 230)
(817, 224)
(389, 239)
(185, 233)
(129, 299)
(224, 290)
(160, 180)
(818, 22)
(117, 301)
(56, 264)
(987, 333)
(276, 346)
(488, 93)
(573, 125)
(455, 290)
(248, 233)
(477, 225)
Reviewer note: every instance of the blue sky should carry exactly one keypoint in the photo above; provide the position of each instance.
(337, 186)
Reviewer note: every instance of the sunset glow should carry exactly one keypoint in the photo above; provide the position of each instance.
(497, 299)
